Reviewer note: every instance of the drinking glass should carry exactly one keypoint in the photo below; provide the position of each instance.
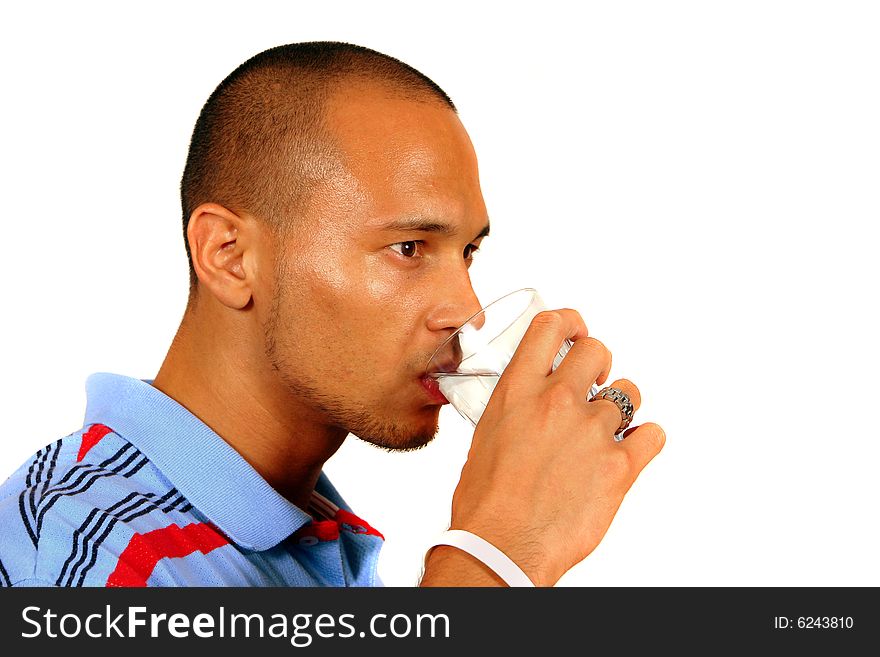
(469, 363)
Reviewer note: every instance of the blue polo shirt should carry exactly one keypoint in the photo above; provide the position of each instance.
(146, 494)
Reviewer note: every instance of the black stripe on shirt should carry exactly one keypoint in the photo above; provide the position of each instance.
(37, 457)
(46, 482)
(133, 515)
(4, 576)
(22, 497)
(75, 548)
(131, 501)
(137, 467)
(54, 448)
(75, 470)
(37, 479)
(180, 504)
(104, 535)
(84, 526)
(112, 514)
(24, 518)
(178, 500)
(78, 473)
(52, 464)
(87, 476)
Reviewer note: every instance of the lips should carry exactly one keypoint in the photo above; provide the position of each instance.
(433, 389)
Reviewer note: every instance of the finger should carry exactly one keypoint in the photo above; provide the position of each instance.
(542, 340)
(587, 362)
(643, 443)
(603, 376)
(630, 390)
(607, 412)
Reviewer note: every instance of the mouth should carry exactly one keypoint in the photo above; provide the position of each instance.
(432, 389)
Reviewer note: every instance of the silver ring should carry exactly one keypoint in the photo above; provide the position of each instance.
(623, 402)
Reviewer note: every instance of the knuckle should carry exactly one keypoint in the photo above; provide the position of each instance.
(559, 398)
(592, 346)
(551, 319)
(576, 316)
(571, 311)
(593, 343)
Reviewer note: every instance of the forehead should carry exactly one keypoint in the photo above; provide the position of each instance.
(400, 158)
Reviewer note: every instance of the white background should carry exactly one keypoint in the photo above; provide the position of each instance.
(698, 179)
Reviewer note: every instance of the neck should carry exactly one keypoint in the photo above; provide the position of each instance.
(217, 369)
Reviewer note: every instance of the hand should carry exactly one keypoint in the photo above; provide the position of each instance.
(544, 476)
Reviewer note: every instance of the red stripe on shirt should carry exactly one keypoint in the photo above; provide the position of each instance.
(323, 530)
(347, 520)
(91, 438)
(143, 552)
(328, 530)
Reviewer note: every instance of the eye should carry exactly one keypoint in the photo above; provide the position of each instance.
(406, 249)
(470, 250)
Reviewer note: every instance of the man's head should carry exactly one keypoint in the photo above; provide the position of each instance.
(262, 141)
(331, 205)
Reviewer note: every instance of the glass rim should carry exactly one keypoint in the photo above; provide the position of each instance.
(533, 292)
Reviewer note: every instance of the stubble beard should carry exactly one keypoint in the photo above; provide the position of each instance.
(340, 412)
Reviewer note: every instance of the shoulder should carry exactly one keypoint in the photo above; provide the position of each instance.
(74, 502)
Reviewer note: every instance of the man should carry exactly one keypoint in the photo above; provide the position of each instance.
(331, 209)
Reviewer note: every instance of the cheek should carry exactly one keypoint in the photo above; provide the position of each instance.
(332, 311)
(394, 298)
(351, 313)
(357, 288)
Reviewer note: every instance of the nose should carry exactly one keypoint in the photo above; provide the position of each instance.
(456, 303)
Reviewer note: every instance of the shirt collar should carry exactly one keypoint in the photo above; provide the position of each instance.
(213, 477)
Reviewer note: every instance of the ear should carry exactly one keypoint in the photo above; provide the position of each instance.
(223, 253)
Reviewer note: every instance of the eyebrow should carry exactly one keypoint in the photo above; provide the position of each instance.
(419, 224)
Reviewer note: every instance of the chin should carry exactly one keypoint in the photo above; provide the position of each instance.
(402, 436)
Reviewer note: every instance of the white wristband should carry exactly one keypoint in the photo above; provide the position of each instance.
(490, 555)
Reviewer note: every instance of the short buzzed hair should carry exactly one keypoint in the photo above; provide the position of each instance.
(261, 143)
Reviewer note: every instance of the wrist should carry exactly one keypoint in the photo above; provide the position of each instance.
(528, 555)
(446, 565)
(500, 564)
